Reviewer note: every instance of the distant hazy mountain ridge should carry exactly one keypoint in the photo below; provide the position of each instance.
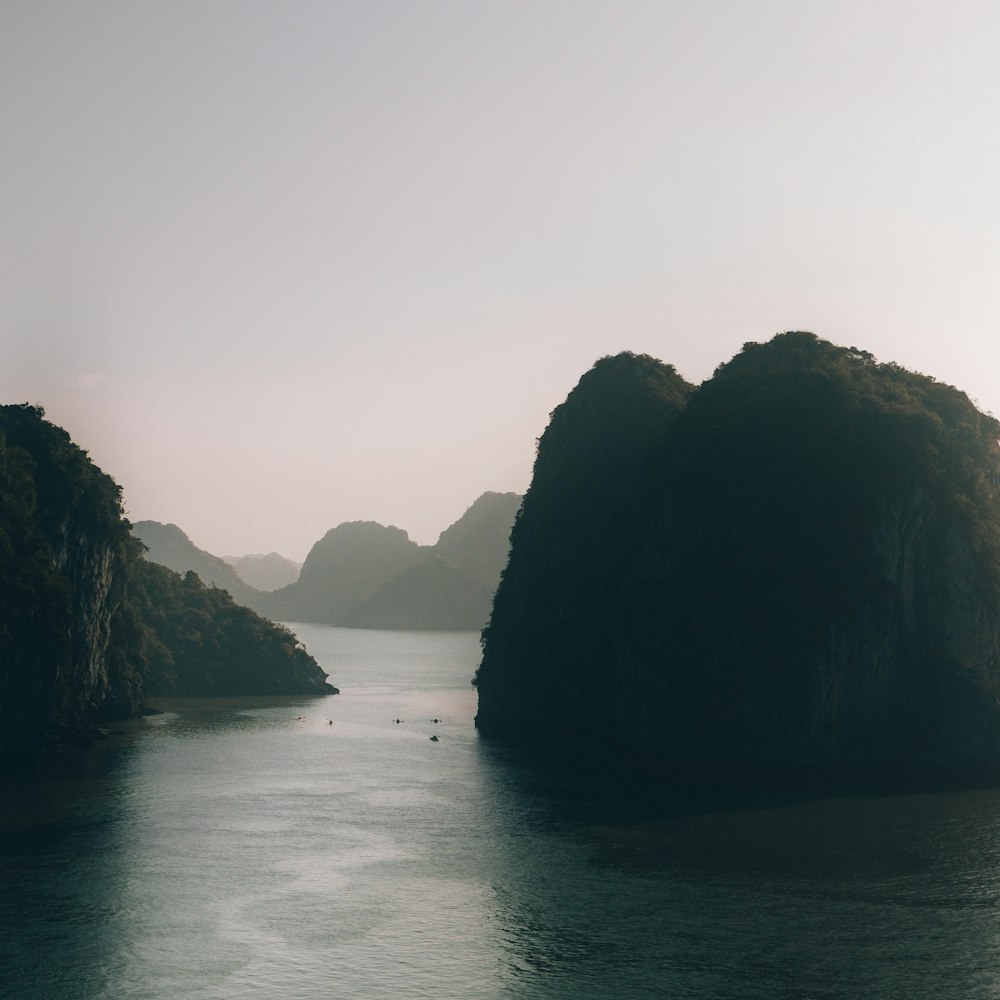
(342, 568)
(169, 546)
(362, 574)
(479, 541)
(429, 595)
(265, 572)
(366, 575)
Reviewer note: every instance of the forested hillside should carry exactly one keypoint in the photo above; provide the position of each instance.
(88, 628)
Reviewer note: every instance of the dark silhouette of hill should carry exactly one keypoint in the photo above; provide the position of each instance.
(265, 572)
(800, 568)
(65, 554)
(559, 609)
(88, 628)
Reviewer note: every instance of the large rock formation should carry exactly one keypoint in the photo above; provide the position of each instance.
(805, 572)
(557, 618)
(63, 547)
(452, 586)
(78, 643)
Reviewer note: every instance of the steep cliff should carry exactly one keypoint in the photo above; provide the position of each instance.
(87, 626)
(558, 614)
(812, 579)
(63, 546)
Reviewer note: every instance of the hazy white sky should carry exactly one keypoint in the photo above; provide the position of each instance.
(280, 265)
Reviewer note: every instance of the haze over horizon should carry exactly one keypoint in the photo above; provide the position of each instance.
(279, 266)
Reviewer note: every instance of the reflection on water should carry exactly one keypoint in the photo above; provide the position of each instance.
(59, 837)
(317, 848)
(866, 897)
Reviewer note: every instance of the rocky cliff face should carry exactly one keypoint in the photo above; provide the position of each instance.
(812, 580)
(95, 572)
(63, 572)
(86, 625)
(557, 617)
(906, 672)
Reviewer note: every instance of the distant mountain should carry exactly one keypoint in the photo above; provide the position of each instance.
(430, 595)
(344, 567)
(362, 574)
(478, 542)
(170, 547)
(265, 572)
(365, 575)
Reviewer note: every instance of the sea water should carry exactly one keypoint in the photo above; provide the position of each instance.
(319, 848)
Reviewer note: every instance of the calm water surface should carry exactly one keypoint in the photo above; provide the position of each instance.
(233, 849)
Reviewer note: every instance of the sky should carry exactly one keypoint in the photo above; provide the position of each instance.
(279, 265)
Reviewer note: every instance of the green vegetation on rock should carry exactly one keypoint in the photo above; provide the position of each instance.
(202, 642)
(558, 614)
(804, 571)
(88, 628)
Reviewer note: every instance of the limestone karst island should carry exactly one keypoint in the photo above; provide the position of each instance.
(794, 565)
